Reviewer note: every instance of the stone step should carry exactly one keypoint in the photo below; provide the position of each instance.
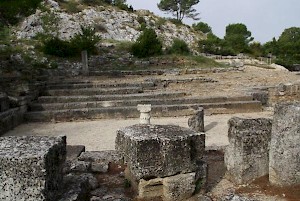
(93, 91)
(135, 102)
(131, 111)
(81, 98)
(85, 84)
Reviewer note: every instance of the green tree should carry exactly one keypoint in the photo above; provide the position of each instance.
(271, 47)
(289, 41)
(179, 47)
(214, 45)
(180, 8)
(147, 44)
(238, 37)
(288, 47)
(203, 27)
(256, 49)
(11, 11)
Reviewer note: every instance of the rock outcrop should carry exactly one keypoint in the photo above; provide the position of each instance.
(109, 22)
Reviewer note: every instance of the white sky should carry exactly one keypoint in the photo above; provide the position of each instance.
(264, 18)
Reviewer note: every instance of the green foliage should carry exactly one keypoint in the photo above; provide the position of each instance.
(86, 40)
(11, 11)
(83, 41)
(179, 9)
(122, 5)
(199, 185)
(214, 45)
(127, 183)
(175, 21)
(203, 27)
(147, 44)
(179, 47)
(50, 25)
(141, 20)
(96, 2)
(71, 6)
(256, 49)
(238, 37)
(58, 47)
(287, 48)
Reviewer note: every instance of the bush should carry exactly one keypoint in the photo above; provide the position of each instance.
(147, 44)
(84, 41)
(58, 47)
(11, 11)
(179, 47)
(175, 21)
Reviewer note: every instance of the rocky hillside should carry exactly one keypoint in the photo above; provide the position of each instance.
(110, 23)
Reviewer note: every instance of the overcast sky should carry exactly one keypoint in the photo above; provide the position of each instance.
(264, 18)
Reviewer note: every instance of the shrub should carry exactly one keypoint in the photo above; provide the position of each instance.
(147, 44)
(179, 47)
(86, 40)
(83, 41)
(58, 47)
(12, 11)
(175, 21)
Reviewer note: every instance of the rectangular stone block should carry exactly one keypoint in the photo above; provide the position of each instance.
(175, 188)
(31, 167)
(284, 168)
(247, 155)
(159, 150)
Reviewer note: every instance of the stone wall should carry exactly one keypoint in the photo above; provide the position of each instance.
(31, 167)
(284, 93)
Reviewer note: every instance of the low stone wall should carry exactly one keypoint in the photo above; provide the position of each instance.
(284, 93)
(31, 167)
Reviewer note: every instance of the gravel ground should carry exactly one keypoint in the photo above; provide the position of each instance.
(100, 135)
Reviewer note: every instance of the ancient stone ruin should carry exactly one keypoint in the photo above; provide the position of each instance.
(259, 147)
(31, 168)
(284, 169)
(161, 160)
(247, 155)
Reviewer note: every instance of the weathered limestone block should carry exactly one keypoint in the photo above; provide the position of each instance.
(247, 155)
(196, 122)
(159, 150)
(31, 167)
(179, 187)
(284, 168)
(150, 189)
(100, 160)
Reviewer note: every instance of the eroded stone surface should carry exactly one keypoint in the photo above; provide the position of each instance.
(247, 155)
(284, 167)
(31, 167)
(159, 150)
(179, 187)
(196, 122)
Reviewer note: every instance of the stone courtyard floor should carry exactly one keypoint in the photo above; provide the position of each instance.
(100, 135)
